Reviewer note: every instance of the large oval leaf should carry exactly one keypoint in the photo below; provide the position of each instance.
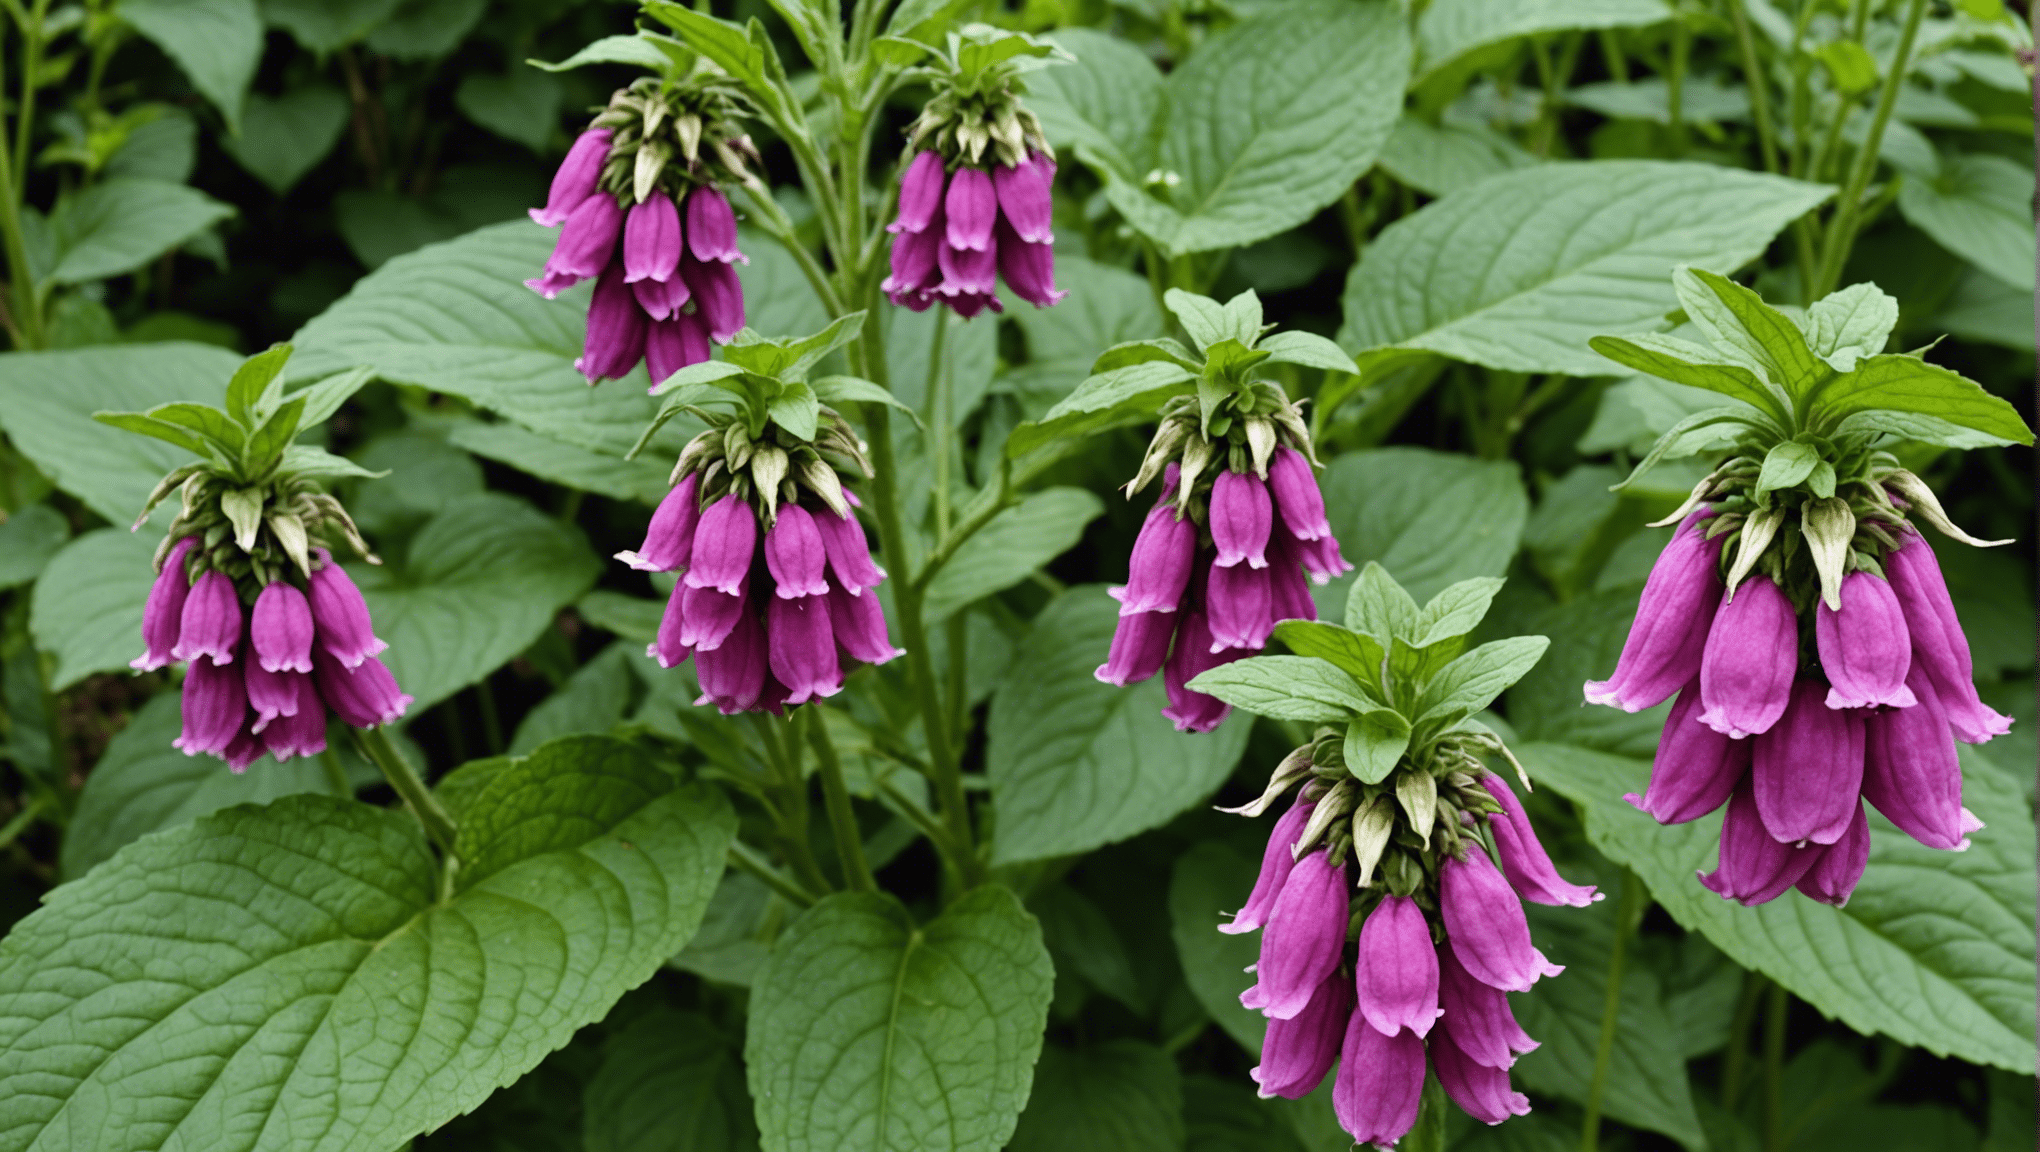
(1430, 518)
(868, 1033)
(223, 986)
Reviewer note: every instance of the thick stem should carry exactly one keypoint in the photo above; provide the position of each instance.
(842, 819)
(791, 815)
(1841, 233)
(745, 858)
(1626, 913)
(1758, 84)
(779, 226)
(439, 827)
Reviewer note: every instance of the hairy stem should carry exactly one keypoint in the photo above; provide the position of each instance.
(1841, 233)
(439, 827)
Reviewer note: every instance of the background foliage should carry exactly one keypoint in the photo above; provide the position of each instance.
(1459, 192)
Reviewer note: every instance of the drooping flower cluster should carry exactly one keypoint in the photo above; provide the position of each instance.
(1803, 689)
(1418, 965)
(776, 598)
(968, 219)
(641, 212)
(274, 633)
(1222, 556)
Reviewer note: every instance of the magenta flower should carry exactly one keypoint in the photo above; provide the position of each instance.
(1864, 649)
(1753, 868)
(1524, 861)
(794, 554)
(957, 233)
(215, 704)
(1480, 1091)
(1158, 571)
(1837, 867)
(1140, 646)
(1696, 768)
(363, 696)
(651, 240)
(1807, 771)
(163, 615)
(1240, 603)
(282, 629)
(724, 543)
(1938, 643)
(588, 239)
(708, 616)
(340, 615)
(1240, 515)
(1276, 863)
(801, 648)
(1751, 655)
(849, 552)
(271, 694)
(1663, 651)
(859, 626)
(1477, 1016)
(1911, 772)
(669, 541)
(718, 297)
(1322, 560)
(1304, 937)
(1397, 974)
(1296, 1054)
(1485, 922)
(1296, 495)
(733, 674)
(575, 180)
(211, 621)
(1380, 1083)
(616, 329)
(712, 227)
(1191, 657)
(244, 749)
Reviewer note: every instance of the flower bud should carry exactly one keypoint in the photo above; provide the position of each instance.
(1524, 861)
(1380, 1083)
(1304, 937)
(1864, 649)
(340, 616)
(1240, 518)
(1837, 867)
(163, 615)
(1938, 643)
(1911, 772)
(1296, 1054)
(1673, 616)
(1807, 771)
(1485, 922)
(1696, 768)
(1477, 1016)
(210, 624)
(1276, 863)
(1754, 868)
(1396, 982)
(282, 630)
(1483, 1092)
(669, 541)
(1752, 652)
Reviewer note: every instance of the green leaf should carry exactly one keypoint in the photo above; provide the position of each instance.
(1845, 326)
(837, 390)
(140, 784)
(1713, 428)
(147, 425)
(1957, 982)
(670, 1081)
(1208, 322)
(1209, 883)
(1451, 29)
(28, 539)
(323, 26)
(1440, 159)
(1749, 331)
(251, 379)
(1074, 763)
(1456, 611)
(1925, 429)
(1111, 399)
(1683, 362)
(633, 50)
(1120, 1096)
(1472, 682)
(1379, 606)
(316, 920)
(1356, 653)
(630, 617)
(1905, 384)
(275, 436)
(1545, 703)
(325, 397)
(1430, 518)
(523, 105)
(321, 464)
(1308, 349)
(1518, 271)
(1372, 748)
(283, 139)
(1223, 1114)
(592, 700)
(86, 609)
(1981, 209)
(1786, 464)
(1108, 105)
(426, 29)
(117, 226)
(797, 410)
(562, 463)
(211, 424)
(724, 43)
(483, 579)
(1285, 688)
(1009, 549)
(868, 1032)
(217, 43)
(1268, 122)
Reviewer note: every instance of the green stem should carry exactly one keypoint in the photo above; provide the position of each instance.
(26, 326)
(791, 816)
(1774, 1069)
(439, 827)
(492, 723)
(1758, 84)
(1737, 1056)
(336, 774)
(1841, 233)
(979, 513)
(1611, 51)
(1626, 913)
(1675, 92)
(745, 858)
(836, 796)
(22, 821)
(779, 226)
(24, 117)
(936, 402)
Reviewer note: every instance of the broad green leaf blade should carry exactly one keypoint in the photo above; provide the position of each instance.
(562, 463)
(1450, 29)
(47, 400)
(721, 41)
(1120, 1096)
(1682, 362)
(86, 610)
(1957, 982)
(483, 579)
(869, 1033)
(321, 464)
(1440, 159)
(1741, 325)
(1981, 209)
(1373, 748)
(120, 225)
(1210, 882)
(1075, 764)
(283, 139)
(1308, 349)
(633, 50)
(1904, 384)
(1545, 704)
(1223, 1114)
(309, 932)
(1430, 518)
(28, 539)
(521, 105)
(1354, 652)
(325, 398)
(1108, 104)
(837, 390)
(251, 378)
(1787, 463)
(1270, 121)
(143, 424)
(669, 1080)
(1380, 607)
(323, 26)
(1518, 271)
(274, 437)
(1285, 688)
(1128, 395)
(593, 700)
(217, 43)
(209, 422)
(1456, 611)
(1472, 682)
(140, 784)
(1009, 549)
(1845, 326)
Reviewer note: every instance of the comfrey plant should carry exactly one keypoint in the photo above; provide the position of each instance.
(641, 211)
(273, 633)
(974, 202)
(1223, 555)
(773, 625)
(1798, 615)
(1388, 933)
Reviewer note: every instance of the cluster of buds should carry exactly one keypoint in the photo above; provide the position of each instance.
(1825, 667)
(975, 202)
(642, 212)
(779, 624)
(1222, 556)
(1408, 959)
(275, 634)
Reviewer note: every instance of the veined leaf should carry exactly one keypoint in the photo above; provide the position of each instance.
(251, 379)
(1846, 325)
(1681, 362)
(86, 610)
(1739, 323)
(1286, 688)
(1472, 682)
(1009, 549)
(1907, 384)
(1356, 652)
(1126, 395)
